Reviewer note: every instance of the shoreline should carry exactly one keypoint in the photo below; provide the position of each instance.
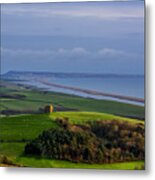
(92, 92)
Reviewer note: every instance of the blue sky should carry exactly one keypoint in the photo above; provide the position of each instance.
(94, 37)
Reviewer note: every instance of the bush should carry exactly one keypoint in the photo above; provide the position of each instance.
(103, 141)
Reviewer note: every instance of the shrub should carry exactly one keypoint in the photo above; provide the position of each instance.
(103, 141)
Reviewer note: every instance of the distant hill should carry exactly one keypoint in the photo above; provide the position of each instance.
(31, 74)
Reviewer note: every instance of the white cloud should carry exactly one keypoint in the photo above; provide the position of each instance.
(66, 54)
(79, 11)
(111, 52)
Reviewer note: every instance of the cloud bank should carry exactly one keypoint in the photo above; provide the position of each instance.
(110, 10)
(77, 59)
(66, 54)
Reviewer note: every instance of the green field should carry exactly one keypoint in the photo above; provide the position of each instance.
(24, 127)
(35, 99)
(17, 130)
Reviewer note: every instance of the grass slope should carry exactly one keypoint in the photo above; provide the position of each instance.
(82, 117)
(26, 127)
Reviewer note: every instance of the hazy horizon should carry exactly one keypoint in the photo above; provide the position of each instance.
(57, 72)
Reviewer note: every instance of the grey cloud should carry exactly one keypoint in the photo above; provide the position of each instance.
(66, 54)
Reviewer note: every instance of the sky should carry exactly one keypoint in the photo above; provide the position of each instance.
(89, 37)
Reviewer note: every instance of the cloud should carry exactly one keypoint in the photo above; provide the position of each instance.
(77, 59)
(59, 53)
(76, 53)
(111, 52)
(99, 11)
(115, 19)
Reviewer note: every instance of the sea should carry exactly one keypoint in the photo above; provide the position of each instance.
(132, 86)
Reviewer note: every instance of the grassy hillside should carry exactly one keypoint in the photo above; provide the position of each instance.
(15, 130)
(23, 127)
(82, 117)
(27, 127)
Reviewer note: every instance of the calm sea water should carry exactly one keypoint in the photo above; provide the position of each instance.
(127, 86)
(130, 86)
